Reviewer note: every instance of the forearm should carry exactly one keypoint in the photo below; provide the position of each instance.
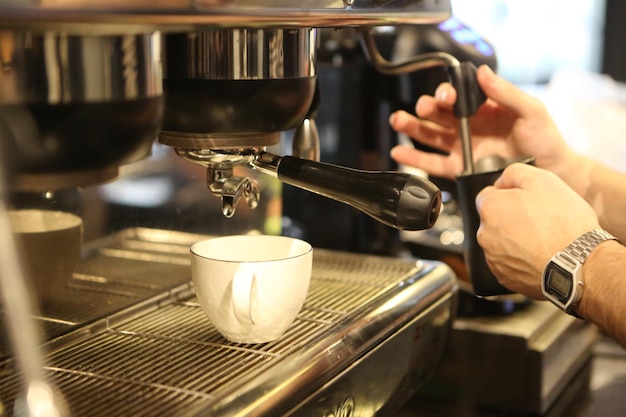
(604, 295)
(607, 196)
(603, 188)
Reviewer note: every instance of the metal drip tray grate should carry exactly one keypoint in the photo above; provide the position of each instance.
(161, 355)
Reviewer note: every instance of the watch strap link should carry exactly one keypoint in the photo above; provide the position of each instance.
(579, 250)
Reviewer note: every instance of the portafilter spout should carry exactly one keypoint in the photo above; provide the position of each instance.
(221, 180)
(399, 200)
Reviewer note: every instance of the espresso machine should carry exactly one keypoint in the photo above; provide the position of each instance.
(88, 91)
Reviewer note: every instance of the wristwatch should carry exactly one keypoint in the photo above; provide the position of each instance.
(562, 281)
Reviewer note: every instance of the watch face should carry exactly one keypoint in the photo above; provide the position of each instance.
(559, 283)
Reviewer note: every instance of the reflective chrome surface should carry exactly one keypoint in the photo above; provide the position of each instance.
(306, 141)
(241, 54)
(78, 15)
(208, 141)
(221, 179)
(146, 348)
(57, 68)
(16, 297)
(62, 53)
(227, 87)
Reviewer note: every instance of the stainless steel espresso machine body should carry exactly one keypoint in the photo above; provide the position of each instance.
(85, 90)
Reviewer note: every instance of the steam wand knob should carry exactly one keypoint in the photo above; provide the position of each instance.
(306, 141)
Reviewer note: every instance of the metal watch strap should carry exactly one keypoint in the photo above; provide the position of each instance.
(578, 251)
(575, 255)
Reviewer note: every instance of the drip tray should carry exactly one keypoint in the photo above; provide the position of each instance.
(129, 337)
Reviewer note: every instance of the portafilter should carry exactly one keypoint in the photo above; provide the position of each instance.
(231, 92)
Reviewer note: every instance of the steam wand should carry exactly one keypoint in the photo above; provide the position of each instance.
(40, 397)
(462, 76)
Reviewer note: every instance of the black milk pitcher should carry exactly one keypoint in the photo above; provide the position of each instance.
(486, 172)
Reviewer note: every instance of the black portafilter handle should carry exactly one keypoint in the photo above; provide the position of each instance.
(397, 199)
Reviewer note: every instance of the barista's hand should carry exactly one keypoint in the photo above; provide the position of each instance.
(527, 216)
(510, 124)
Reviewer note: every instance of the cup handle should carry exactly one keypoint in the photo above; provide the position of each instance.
(242, 296)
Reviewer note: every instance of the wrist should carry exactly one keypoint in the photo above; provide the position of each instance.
(599, 271)
(563, 280)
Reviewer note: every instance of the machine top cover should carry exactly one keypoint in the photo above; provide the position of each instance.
(114, 15)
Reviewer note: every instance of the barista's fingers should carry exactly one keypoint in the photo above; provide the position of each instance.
(434, 164)
(402, 122)
(517, 175)
(445, 95)
(491, 202)
(482, 195)
(423, 131)
(439, 108)
(484, 204)
(507, 94)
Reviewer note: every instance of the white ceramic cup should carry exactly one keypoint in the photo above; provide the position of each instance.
(251, 287)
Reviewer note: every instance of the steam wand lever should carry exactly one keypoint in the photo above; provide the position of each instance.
(462, 76)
